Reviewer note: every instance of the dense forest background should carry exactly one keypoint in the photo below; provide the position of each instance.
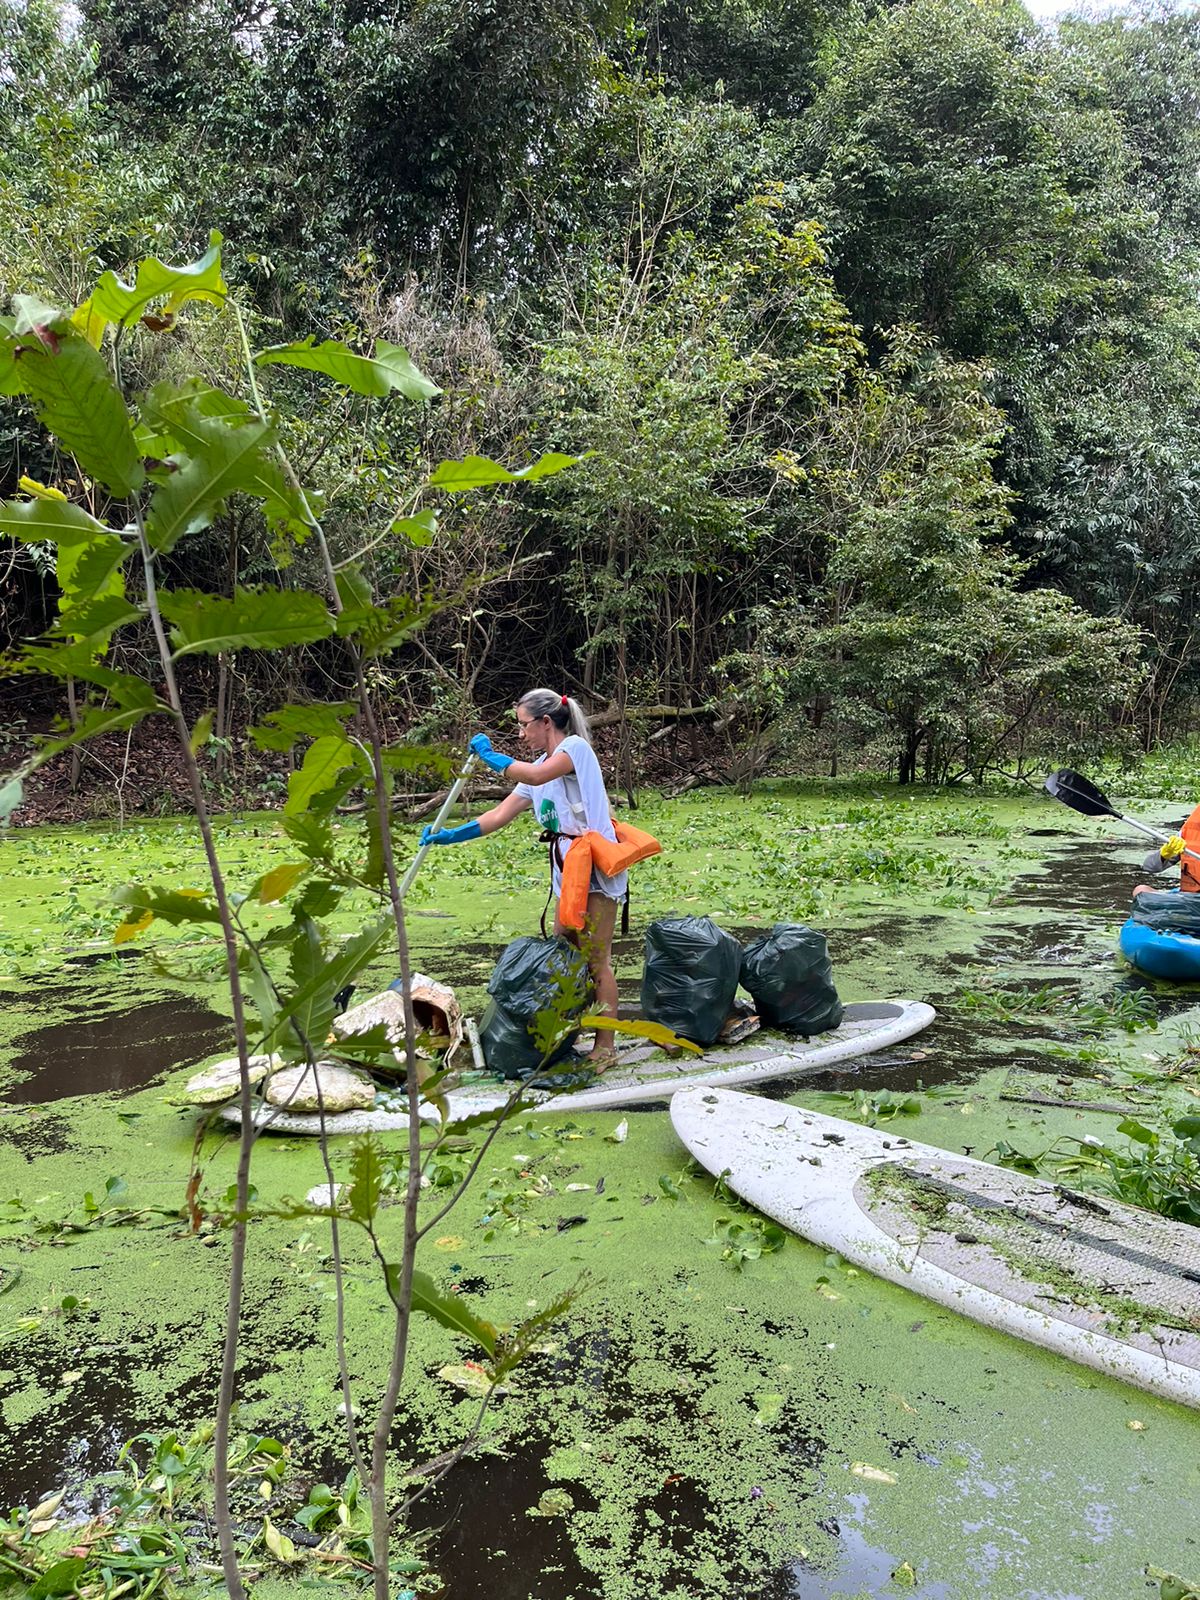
(880, 320)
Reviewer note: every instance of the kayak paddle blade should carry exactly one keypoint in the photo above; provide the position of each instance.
(1074, 790)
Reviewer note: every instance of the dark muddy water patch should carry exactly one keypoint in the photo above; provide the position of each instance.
(1085, 877)
(113, 1051)
(89, 1408)
(490, 1542)
(36, 1133)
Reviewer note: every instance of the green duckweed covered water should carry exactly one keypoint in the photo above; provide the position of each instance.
(792, 1429)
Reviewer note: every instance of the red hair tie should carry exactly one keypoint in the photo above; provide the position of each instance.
(564, 700)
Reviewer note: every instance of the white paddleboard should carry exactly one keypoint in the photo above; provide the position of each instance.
(1105, 1284)
(643, 1073)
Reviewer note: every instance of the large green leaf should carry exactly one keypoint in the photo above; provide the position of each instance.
(89, 552)
(254, 619)
(335, 972)
(479, 472)
(76, 660)
(134, 706)
(448, 1309)
(143, 904)
(324, 762)
(91, 572)
(367, 1157)
(312, 1017)
(389, 368)
(114, 301)
(95, 621)
(76, 399)
(174, 421)
(379, 629)
(283, 729)
(420, 530)
(225, 456)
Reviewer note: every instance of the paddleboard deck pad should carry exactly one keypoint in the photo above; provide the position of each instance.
(644, 1073)
(1105, 1284)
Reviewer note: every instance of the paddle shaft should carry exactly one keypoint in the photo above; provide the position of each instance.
(456, 789)
(1152, 833)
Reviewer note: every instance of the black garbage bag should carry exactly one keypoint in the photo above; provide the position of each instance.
(534, 978)
(790, 977)
(1168, 911)
(691, 976)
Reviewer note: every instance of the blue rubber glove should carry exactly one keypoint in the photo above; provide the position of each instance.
(459, 835)
(481, 745)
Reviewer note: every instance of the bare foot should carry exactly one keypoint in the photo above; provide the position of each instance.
(601, 1060)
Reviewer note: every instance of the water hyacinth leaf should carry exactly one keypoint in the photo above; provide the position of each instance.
(448, 1309)
(279, 881)
(59, 1579)
(254, 619)
(113, 301)
(280, 1546)
(283, 729)
(224, 458)
(420, 530)
(390, 368)
(480, 472)
(77, 401)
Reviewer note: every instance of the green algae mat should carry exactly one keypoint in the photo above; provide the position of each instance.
(721, 1413)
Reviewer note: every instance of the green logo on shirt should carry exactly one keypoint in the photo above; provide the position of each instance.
(548, 814)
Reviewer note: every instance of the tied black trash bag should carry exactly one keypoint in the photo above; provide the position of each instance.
(1168, 911)
(790, 978)
(691, 976)
(532, 977)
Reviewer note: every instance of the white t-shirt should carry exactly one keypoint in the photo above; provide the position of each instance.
(575, 804)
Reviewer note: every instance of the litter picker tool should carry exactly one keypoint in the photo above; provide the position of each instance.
(456, 789)
(1080, 794)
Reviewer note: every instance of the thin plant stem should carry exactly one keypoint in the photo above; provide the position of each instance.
(237, 1257)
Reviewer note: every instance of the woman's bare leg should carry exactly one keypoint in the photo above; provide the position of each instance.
(595, 941)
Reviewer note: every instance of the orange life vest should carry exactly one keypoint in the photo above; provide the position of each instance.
(592, 849)
(1189, 870)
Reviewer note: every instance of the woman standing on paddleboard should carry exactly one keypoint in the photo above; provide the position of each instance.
(564, 787)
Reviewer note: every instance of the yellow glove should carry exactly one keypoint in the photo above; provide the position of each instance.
(1173, 848)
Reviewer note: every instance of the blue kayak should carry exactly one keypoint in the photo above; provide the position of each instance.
(1173, 956)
